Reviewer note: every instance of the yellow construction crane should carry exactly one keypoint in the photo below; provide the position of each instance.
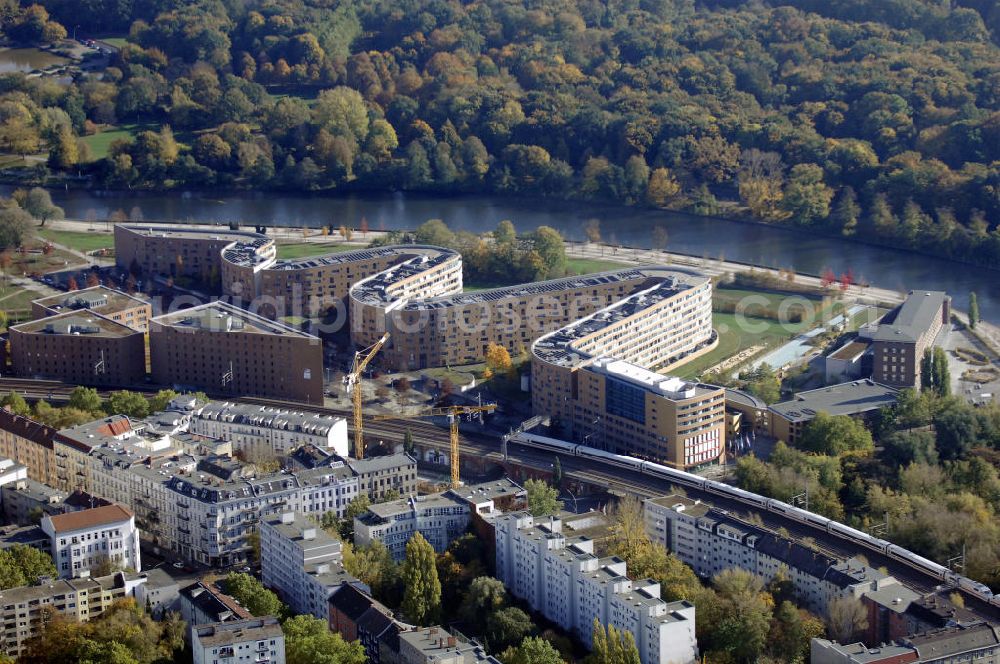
(353, 382)
(453, 413)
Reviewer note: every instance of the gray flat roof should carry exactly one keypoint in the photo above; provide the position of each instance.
(154, 230)
(77, 323)
(219, 316)
(100, 299)
(853, 398)
(914, 317)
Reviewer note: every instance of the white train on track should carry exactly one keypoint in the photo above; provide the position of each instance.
(682, 478)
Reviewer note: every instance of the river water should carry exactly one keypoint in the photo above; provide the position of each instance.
(752, 243)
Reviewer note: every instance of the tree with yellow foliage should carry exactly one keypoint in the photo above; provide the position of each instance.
(498, 360)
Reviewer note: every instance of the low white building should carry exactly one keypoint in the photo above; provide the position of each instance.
(11, 471)
(261, 429)
(251, 641)
(439, 517)
(560, 577)
(81, 542)
(302, 562)
(710, 540)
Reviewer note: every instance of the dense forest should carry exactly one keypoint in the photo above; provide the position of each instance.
(871, 118)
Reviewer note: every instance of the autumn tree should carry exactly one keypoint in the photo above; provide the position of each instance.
(846, 619)
(498, 359)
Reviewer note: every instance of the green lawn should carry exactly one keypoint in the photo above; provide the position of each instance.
(306, 249)
(573, 266)
(115, 41)
(14, 299)
(100, 142)
(735, 336)
(591, 265)
(81, 241)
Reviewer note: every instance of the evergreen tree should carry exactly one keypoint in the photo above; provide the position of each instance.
(557, 472)
(942, 375)
(422, 597)
(973, 310)
(846, 211)
(927, 370)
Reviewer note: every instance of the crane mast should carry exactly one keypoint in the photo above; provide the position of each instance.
(353, 382)
(453, 413)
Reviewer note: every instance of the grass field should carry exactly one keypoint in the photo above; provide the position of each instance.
(306, 249)
(81, 241)
(99, 143)
(14, 299)
(739, 333)
(115, 41)
(591, 265)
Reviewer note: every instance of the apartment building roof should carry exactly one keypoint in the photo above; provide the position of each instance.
(35, 491)
(154, 230)
(238, 631)
(911, 319)
(852, 398)
(26, 535)
(89, 435)
(377, 464)
(939, 611)
(213, 602)
(671, 387)
(27, 428)
(486, 491)
(526, 290)
(953, 641)
(692, 508)
(435, 643)
(99, 299)
(77, 323)
(374, 620)
(859, 653)
(313, 424)
(57, 587)
(661, 283)
(247, 252)
(851, 572)
(297, 529)
(386, 512)
(92, 518)
(895, 597)
(352, 602)
(354, 256)
(219, 316)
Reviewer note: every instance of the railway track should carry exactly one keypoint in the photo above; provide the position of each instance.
(615, 479)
